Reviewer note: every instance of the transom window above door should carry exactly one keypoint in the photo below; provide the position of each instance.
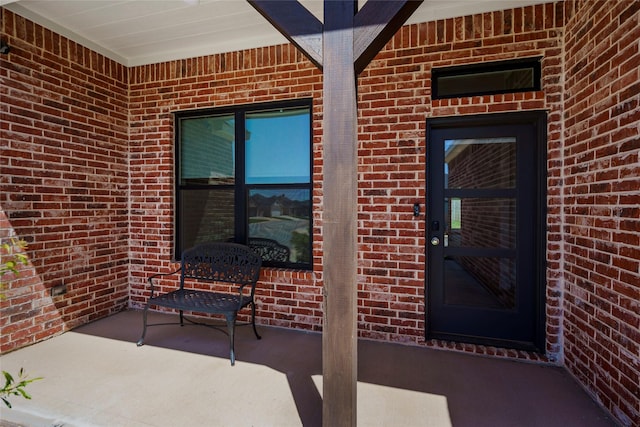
(511, 76)
(243, 174)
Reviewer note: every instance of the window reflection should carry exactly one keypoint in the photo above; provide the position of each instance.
(207, 150)
(480, 163)
(480, 282)
(244, 175)
(282, 216)
(482, 223)
(207, 215)
(277, 144)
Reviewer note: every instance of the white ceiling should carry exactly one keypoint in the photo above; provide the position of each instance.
(138, 32)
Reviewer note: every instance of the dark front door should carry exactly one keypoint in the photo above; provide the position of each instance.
(485, 222)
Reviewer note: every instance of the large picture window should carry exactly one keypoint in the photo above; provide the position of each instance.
(244, 175)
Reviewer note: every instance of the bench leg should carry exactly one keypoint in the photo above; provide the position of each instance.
(144, 325)
(253, 319)
(181, 318)
(231, 324)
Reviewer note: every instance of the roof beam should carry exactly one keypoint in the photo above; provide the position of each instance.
(296, 23)
(375, 25)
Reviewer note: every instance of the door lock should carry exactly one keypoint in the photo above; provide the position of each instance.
(435, 241)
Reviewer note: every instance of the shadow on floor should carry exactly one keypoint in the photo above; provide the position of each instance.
(479, 391)
(397, 385)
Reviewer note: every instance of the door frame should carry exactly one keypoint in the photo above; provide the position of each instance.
(537, 119)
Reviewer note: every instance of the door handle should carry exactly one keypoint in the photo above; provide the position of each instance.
(435, 241)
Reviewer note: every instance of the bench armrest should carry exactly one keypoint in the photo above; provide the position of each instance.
(150, 279)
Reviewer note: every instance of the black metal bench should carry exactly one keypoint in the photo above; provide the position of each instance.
(212, 262)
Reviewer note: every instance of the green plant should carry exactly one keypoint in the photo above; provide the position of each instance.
(15, 387)
(10, 258)
(9, 263)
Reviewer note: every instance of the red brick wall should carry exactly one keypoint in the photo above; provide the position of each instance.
(64, 181)
(601, 196)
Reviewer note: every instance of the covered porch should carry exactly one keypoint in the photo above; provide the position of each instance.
(96, 376)
(88, 174)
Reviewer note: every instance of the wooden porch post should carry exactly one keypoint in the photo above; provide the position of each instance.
(342, 48)
(339, 223)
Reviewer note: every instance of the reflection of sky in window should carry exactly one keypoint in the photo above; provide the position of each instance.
(447, 144)
(291, 193)
(278, 148)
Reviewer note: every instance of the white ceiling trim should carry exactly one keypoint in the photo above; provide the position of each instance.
(140, 32)
(66, 32)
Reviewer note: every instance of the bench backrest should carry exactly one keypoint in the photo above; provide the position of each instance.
(221, 262)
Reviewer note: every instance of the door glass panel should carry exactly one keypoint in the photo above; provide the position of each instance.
(480, 282)
(480, 222)
(480, 163)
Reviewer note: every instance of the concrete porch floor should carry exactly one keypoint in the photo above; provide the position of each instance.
(96, 376)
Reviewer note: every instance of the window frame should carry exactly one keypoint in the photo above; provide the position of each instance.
(470, 70)
(240, 187)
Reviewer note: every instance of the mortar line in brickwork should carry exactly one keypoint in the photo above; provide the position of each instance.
(561, 262)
